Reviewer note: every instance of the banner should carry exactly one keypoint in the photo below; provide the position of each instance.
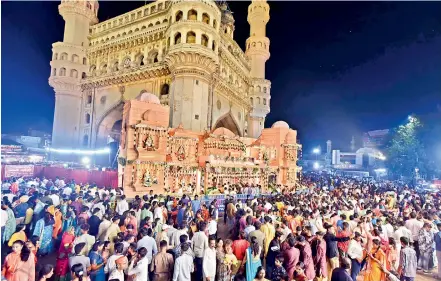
(19, 171)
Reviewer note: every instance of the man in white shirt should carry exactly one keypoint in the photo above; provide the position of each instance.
(118, 272)
(184, 265)
(355, 253)
(212, 227)
(111, 262)
(414, 226)
(139, 272)
(209, 261)
(67, 191)
(200, 243)
(55, 198)
(147, 242)
(122, 205)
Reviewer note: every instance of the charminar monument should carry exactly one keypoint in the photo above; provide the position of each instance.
(183, 52)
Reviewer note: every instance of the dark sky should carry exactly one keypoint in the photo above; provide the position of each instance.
(337, 68)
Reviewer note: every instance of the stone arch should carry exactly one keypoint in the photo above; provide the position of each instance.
(227, 121)
(205, 18)
(191, 37)
(179, 15)
(62, 72)
(74, 73)
(106, 124)
(192, 15)
(204, 40)
(177, 38)
(63, 56)
(152, 56)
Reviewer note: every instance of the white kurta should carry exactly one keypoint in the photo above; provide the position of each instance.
(209, 263)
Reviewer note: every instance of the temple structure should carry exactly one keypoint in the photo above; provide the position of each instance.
(169, 83)
(155, 157)
(182, 51)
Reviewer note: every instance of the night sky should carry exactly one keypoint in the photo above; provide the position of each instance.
(337, 68)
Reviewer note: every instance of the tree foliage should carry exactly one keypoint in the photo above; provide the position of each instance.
(406, 151)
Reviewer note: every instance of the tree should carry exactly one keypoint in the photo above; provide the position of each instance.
(406, 151)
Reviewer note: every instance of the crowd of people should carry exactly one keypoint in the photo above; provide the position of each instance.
(341, 229)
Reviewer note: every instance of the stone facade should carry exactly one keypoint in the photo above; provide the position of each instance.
(183, 52)
(156, 157)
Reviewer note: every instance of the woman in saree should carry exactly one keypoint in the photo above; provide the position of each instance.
(33, 245)
(62, 266)
(69, 219)
(97, 262)
(19, 265)
(375, 261)
(10, 226)
(252, 259)
(43, 229)
(58, 223)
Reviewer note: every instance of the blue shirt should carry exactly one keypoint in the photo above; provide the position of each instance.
(20, 210)
(180, 216)
(196, 205)
(438, 241)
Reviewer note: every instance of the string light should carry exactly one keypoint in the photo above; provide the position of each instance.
(79, 151)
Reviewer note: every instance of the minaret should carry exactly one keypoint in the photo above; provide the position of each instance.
(68, 67)
(353, 143)
(257, 50)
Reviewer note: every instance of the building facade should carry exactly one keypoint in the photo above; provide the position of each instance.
(183, 52)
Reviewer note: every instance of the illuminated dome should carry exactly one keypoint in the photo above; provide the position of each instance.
(150, 98)
(223, 132)
(280, 124)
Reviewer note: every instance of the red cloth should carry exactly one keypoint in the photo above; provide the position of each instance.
(239, 248)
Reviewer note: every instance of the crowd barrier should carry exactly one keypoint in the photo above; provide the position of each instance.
(101, 178)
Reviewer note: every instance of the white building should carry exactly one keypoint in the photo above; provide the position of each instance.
(181, 51)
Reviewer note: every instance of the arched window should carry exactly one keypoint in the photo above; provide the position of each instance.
(191, 37)
(104, 69)
(62, 71)
(86, 140)
(168, 42)
(83, 75)
(141, 60)
(258, 100)
(264, 89)
(55, 56)
(74, 73)
(87, 118)
(264, 101)
(214, 46)
(75, 58)
(63, 56)
(153, 56)
(252, 100)
(143, 27)
(158, 23)
(179, 16)
(164, 89)
(259, 89)
(192, 15)
(165, 20)
(84, 60)
(230, 49)
(54, 72)
(177, 38)
(89, 99)
(136, 29)
(151, 24)
(204, 40)
(205, 18)
(214, 23)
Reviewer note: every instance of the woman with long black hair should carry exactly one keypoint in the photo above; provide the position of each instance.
(20, 264)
